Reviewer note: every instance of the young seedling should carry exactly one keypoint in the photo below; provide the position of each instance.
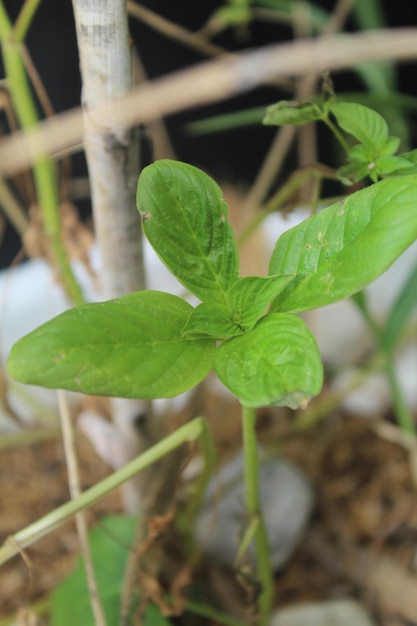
(152, 344)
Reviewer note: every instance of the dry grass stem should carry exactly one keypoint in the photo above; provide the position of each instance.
(210, 82)
(80, 519)
(12, 208)
(174, 31)
(162, 147)
(37, 83)
(270, 167)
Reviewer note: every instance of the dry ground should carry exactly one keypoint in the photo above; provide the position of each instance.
(361, 542)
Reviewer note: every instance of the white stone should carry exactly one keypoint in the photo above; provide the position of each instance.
(332, 613)
(286, 498)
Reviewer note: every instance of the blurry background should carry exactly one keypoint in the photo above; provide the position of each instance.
(233, 155)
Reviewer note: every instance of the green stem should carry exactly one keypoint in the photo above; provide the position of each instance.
(252, 495)
(336, 132)
(209, 455)
(43, 169)
(193, 431)
(24, 19)
(316, 194)
(402, 412)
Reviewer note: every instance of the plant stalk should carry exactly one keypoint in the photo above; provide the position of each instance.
(402, 412)
(24, 19)
(112, 153)
(253, 506)
(74, 484)
(43, 168)
(196, 430)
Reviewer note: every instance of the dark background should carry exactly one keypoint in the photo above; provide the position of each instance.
(234, 155)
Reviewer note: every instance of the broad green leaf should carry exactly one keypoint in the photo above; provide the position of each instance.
(277, 363)
(110, 544)
(129, 347)
(211, 319)
(366, 125)
(250, 296)
(343, 248)
(286, 113)
(185, 220)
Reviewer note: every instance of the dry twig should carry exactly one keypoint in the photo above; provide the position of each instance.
(212, 81)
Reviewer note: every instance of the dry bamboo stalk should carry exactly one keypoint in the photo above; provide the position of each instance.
(213, 81)
(113, 162)
(111, 149)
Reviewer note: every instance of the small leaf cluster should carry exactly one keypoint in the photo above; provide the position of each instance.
(152, 344)
(374, 154)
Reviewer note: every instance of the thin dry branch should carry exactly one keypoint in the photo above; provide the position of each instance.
(174, 31)
(12, 208)
(213, 81)
(74, 484)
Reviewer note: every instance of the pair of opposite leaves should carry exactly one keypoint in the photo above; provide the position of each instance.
(151, 344)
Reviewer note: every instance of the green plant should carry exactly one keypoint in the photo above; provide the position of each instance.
(151, 344)
(374, 156)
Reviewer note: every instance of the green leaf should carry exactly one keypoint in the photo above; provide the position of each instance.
(390, 146)
(410, 156)
(387, 165)
(248, 300)
(250, 296)
(286, 113)
(365, 160)
(129, 347)
(110, 545)
(343, 248)
(361, 163)
(210, 319)
(353, 172)
(185, 220)
(366, 125)
(277, 363)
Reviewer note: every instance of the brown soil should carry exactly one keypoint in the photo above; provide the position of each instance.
(33, 482)
(361, 542)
